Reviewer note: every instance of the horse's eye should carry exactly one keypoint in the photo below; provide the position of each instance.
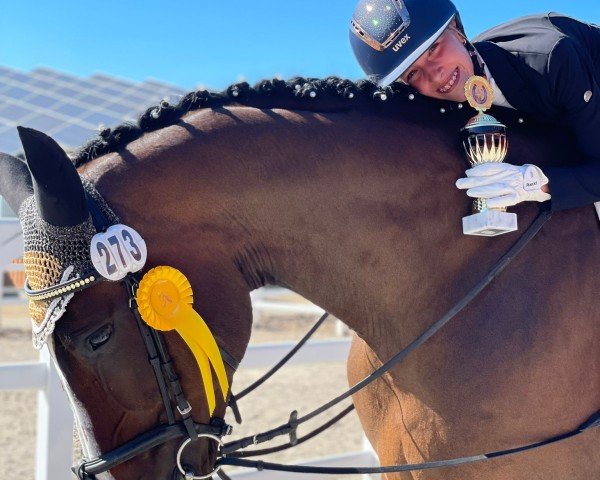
(100, 336)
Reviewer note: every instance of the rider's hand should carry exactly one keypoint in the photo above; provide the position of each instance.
(503, 184)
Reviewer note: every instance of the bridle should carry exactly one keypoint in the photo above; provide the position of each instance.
(167, 380)
(171, 392)
(232, 456)
(191, 431)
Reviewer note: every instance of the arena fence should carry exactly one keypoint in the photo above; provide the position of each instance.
(55, 421)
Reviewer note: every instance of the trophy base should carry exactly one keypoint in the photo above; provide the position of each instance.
(490, 223)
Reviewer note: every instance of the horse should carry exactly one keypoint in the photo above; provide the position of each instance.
(344, 193)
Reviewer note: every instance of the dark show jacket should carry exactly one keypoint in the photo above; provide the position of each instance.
(547, 66)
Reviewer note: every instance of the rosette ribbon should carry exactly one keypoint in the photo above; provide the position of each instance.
(165, 300)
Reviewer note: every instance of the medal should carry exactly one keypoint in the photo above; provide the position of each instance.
(479, 93)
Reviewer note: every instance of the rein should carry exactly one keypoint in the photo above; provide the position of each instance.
(593, 421)
(191, 431)
(232, 456)
(166, 378)
(170, 388)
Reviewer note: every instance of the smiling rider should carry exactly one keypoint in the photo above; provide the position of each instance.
(547, 66)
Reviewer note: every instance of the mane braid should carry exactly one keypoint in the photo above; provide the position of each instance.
(330, 94)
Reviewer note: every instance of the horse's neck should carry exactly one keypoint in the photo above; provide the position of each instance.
(358, 215)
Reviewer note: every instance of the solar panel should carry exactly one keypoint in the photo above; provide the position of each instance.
(20, 77)
(93, 99)
(73, 136)
(82, 85)
(48, 73)
(106, 80)
(41, 122)
(5, 210)
(9, 142)
(17, 92)
(67, 92)
(42, 72)
(44, 101)
(113, 91)
(44, 84)
(70, 110)
(161, 86)
(139, 98)
(4, 82)
(14, 112)
(103, 119)
(122, 110)
(159, 93)
(68, 107)
(5, 71)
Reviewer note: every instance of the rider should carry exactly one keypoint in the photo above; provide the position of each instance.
(545, 65)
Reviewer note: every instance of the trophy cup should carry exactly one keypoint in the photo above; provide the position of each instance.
(484, 140)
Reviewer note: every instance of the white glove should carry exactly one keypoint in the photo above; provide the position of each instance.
(503, 184)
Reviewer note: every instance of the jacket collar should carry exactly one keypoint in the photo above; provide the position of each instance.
(504, 68)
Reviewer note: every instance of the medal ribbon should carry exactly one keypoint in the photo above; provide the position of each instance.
(165, 301)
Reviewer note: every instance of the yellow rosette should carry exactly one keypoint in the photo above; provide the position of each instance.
(165, 301)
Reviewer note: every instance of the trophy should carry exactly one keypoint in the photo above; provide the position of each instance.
(484, 140)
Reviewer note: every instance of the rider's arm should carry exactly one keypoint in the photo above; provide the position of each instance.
(573, 79)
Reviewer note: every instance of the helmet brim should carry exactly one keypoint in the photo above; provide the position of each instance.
(400, 69)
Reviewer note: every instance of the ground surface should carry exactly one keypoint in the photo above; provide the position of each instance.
(300, 387)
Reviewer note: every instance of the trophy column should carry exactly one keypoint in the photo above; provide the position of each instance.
(484, 139)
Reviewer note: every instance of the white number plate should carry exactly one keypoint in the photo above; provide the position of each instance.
(118, 251)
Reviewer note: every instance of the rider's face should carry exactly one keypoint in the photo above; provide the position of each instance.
(441, 72)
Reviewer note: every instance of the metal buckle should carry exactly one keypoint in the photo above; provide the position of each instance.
(186, 410)
(190, 475)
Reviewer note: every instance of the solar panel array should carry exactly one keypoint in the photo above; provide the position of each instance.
(71, 109)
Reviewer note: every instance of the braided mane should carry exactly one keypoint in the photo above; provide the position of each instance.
(331, 94)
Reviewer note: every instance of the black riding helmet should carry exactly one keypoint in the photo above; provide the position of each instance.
(388, 36)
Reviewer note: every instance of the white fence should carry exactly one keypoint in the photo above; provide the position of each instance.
(55, 420)
(54, 443)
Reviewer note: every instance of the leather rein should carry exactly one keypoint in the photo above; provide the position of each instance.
(191, 431)
(166, 377)
(232, 456)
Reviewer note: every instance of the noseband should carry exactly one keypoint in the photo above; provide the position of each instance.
(171, 392)
(180, 424)
(191, 431)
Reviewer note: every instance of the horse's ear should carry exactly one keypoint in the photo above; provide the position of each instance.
(15, 181)
(56, 184)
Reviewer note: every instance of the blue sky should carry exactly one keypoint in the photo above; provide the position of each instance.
(211, 43)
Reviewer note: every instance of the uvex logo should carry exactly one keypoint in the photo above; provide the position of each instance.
(400, 43)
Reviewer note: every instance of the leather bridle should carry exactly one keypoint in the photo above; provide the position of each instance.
(232, 456)
(171, 392)
(189, 430)
(167, 380)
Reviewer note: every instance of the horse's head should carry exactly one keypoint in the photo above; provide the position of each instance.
(122, 382)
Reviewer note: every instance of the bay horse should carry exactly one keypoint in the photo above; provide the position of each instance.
(323, 187)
